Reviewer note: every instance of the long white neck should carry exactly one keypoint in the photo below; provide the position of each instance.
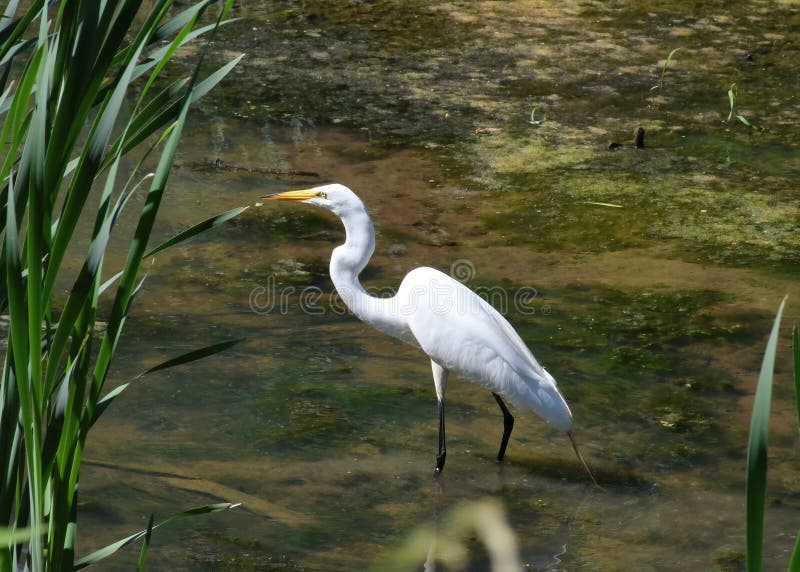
(349, 259)
(347, 262)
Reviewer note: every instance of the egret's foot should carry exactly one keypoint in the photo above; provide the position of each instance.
(439, 464)
(501, 454)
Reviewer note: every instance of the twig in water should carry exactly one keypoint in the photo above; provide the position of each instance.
(223, 166)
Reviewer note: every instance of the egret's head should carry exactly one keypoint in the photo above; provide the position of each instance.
(336, 198)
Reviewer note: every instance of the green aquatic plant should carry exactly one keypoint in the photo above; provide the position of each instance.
(533, 120)
(82, 99)
(660, 83)
(758, 447)
(732, 92)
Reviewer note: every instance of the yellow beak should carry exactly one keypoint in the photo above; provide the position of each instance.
(301, 195)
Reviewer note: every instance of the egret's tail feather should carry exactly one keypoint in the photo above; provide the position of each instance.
(580, 458)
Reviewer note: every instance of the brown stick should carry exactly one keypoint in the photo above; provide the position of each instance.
(223, 166)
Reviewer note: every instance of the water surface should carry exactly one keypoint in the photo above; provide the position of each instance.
(652, 316)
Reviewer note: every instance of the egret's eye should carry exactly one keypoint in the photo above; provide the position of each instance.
(322, 195)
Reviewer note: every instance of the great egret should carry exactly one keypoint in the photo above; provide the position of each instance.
(459, 331)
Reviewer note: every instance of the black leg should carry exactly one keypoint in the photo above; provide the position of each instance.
(440, 456)
(508, 425)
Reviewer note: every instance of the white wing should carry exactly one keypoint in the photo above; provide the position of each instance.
(463, 333)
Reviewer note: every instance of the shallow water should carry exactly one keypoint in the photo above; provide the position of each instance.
(652, 316)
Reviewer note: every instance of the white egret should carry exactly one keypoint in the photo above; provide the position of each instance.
(460, 332)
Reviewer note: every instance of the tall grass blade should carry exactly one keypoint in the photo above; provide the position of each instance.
(796, 369)
(188, 16)
(7, 18)
(64, 131)
(11, 30)
(198, 228)
(11, 536)
(107, 551)
(757, 453)
(145, 225)
(794, 561)
(30, 412)
(191, 356)
(145, 544)
(87, 170)
(202, 226)
(158, 114)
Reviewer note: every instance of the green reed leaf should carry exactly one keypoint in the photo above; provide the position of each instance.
(107, 551)
(202, 226)
(757, 452)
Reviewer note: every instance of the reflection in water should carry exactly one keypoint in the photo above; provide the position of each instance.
(433, 551)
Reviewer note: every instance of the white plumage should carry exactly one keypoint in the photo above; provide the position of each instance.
(460, 331)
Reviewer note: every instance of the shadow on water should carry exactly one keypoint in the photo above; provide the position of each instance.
(651, 314)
